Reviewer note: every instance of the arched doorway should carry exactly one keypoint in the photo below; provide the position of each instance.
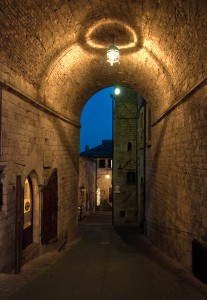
(30, 212)
(27, 236)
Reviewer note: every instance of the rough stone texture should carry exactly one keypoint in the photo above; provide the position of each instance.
(126, 127)
(30, 134)
(87, 184)
(55, 52)
(162, 47)
(176, 179)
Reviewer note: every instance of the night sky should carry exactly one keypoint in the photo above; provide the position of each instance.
(96, 119)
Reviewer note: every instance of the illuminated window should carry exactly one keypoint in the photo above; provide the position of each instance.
(110, 163)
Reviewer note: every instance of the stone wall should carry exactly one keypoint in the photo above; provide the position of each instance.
(35, 140)
(176, 206)
(87, 184)
(125, 159)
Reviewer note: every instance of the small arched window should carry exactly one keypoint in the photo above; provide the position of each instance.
(129, 146)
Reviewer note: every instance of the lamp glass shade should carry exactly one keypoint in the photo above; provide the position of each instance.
(112, 55)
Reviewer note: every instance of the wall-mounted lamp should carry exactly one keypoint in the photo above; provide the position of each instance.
(117, 91)
(113, 54)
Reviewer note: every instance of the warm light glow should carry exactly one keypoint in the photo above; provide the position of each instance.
(98, 198)
(113, 54)
(117, 91)
(107, 176)
(98, 45)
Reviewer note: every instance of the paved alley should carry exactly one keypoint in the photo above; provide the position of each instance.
(105, 265)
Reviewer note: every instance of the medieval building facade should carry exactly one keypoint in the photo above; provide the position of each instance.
(128, 158)
(102, 155)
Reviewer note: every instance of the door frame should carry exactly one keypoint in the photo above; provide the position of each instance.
(44, 240)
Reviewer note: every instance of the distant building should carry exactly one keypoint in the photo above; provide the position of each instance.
(128, 158)
(87, 185)
(102, 154)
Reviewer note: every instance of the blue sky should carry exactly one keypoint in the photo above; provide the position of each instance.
(96, 119)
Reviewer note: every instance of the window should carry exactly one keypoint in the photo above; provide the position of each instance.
(122, 213)
(109, 163)
(131, 176)
(129, 147)
(103, 192)
(102, 163)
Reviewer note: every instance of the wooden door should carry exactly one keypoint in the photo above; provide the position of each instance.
(49, 210)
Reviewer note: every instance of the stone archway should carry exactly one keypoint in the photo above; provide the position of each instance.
(61, 61)
(31, 218)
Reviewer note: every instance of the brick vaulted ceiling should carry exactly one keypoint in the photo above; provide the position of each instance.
(59, 46)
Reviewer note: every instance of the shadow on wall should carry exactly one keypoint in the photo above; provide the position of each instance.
(69, 141)
(153, 161)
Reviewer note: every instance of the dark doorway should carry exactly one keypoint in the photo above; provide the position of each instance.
(49, 210)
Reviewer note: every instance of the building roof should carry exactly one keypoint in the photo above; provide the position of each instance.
(105, 150)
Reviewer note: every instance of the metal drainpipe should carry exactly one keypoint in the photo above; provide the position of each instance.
(1, 148)
(144, 161)
(95, 204)
(137, 180)
(113, 102)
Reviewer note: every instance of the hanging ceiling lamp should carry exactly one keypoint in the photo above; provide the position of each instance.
(113, 54)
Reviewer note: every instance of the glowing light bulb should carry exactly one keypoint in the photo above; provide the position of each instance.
(117, 91)
(112, 55)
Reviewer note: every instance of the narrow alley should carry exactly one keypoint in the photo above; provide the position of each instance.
(104, 264)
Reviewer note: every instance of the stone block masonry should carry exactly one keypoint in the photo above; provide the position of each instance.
(33, 140)
(176, 207)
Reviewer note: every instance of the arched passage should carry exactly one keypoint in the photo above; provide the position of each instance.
(153, 62)
(61, 60)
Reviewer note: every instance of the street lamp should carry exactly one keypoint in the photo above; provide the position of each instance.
(117, 91)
